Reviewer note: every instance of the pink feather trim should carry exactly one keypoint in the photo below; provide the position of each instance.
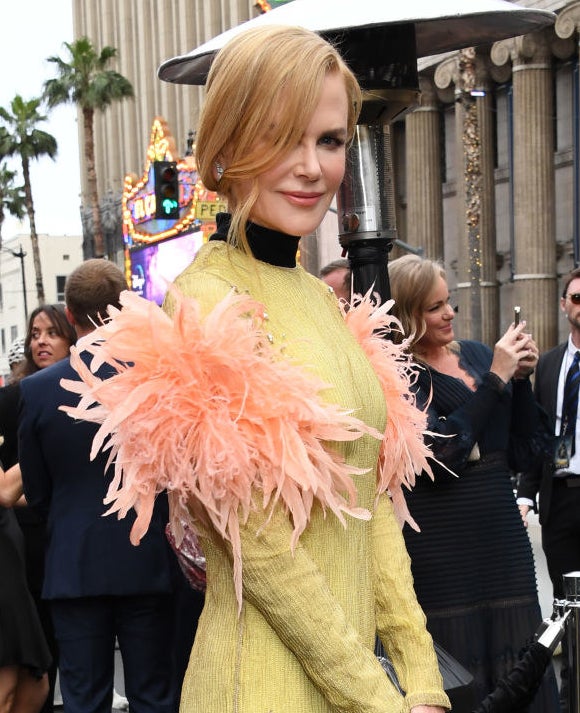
(199, 413)
(403, 451)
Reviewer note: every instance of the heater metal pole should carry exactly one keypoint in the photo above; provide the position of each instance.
(572, 604)
(366, 207)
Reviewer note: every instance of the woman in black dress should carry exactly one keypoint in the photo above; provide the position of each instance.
(24, 654)
(472, 561)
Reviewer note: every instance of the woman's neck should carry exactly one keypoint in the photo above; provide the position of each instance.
(446, 360)
(266, 244)
(432, 355)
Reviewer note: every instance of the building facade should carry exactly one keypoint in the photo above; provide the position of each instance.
(145, 33)
(504, 221)
(517, 105)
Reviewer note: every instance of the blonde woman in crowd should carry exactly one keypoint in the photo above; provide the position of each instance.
(472, 561)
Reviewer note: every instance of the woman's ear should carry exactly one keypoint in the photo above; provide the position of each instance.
(218, 170)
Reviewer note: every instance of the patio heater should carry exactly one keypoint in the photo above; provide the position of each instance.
(381, 42)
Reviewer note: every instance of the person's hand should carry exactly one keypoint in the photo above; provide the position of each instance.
(529, 361)
(10, 486)
(514, 346)
(524, 510)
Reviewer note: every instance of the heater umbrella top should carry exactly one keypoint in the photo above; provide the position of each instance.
(439, 26)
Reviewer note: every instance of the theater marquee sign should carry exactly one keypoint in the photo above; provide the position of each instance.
(157, 249)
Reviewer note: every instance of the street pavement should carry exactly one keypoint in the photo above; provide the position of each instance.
(119, 687)
(545, 594)
(544, 584)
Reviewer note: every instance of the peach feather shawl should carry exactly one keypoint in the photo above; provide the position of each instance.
(210, 411)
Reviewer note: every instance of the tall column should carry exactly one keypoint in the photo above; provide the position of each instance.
(423, 159)
(534, 259)
(567, 29)
(477, 287)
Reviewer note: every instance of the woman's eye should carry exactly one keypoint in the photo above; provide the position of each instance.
(333, 141)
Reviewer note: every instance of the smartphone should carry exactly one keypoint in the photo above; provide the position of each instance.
(517, 310)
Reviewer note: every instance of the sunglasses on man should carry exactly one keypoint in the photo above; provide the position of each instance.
(574, 297)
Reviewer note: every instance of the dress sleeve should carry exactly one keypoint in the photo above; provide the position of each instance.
(453, 436)
(313, 625)
(530, 437)
(531, 477)
(400, 619)
(293, 596)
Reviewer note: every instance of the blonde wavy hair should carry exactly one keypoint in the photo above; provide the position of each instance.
(262, 90)
(412, 278)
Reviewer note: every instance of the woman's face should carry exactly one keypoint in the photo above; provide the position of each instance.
(438, 316)
(295, 195)
(46, 346)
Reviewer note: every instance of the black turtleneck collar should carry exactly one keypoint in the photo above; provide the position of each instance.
(266, 244)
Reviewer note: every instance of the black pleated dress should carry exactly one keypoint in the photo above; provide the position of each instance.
(472, 561)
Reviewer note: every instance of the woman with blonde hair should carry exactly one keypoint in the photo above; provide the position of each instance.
(472, 562)
(269, 417)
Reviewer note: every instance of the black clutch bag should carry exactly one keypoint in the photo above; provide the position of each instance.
(456, 679)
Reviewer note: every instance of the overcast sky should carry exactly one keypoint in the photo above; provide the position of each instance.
(33, 30)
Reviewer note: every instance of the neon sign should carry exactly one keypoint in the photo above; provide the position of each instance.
(195, 213)
(140, 226)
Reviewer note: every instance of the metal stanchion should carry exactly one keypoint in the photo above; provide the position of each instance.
(571, 605)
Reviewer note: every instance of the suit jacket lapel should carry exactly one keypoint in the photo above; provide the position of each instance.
(552, 374)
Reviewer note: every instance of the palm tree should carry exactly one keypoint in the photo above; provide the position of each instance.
(85, 81)
(12, 198)
(20, 137)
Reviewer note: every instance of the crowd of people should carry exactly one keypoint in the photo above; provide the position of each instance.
(277, 427)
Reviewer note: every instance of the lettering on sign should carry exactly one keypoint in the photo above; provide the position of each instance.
(207, 210)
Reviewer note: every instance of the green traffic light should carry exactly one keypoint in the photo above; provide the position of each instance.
(166, 181)
(169, 206)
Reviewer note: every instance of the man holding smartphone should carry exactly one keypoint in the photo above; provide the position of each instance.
(557, 479)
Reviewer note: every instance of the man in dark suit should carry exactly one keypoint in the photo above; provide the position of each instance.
(557, 479)
(99, 586)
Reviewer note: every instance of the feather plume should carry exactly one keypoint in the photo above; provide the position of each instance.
(194, 408)
(403, 451)
(216, 385)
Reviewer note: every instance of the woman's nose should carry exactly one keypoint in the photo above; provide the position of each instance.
(308, 163)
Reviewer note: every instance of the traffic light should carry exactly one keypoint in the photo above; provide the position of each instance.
(166, 189)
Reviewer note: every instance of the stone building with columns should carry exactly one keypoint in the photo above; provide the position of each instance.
(489, 175)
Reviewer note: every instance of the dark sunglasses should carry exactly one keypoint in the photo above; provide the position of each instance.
(574, 298)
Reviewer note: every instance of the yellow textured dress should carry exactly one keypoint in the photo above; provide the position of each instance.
(304, 639)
